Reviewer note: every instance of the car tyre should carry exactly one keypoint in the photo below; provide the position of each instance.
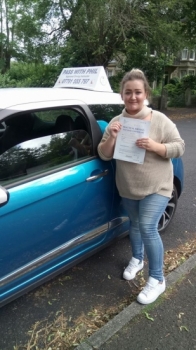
(169, 211)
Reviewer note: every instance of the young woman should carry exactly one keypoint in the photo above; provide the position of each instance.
(145, 188)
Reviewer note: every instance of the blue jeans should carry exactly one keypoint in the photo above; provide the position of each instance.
(144, 215)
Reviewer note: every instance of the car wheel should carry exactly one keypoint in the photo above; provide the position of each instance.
(169, 211)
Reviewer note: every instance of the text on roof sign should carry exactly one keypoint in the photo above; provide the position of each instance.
(89, 78)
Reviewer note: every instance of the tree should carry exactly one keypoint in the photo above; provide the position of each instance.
(26, 32)
(159, 49)
(96, 30)
(137, 56)
(8, 20)
(89, 32)
(32, 31)
(188, 20)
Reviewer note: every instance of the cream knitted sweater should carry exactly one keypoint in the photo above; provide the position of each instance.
(155, 175)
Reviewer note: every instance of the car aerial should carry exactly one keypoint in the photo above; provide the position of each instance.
(58, 200)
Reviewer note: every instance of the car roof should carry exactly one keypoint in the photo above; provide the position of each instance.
(12, 97)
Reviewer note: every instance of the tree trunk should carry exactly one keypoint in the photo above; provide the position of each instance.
(1, 49)
(7, 48)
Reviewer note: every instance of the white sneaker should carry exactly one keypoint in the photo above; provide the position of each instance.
(151, 291)
(134, 266)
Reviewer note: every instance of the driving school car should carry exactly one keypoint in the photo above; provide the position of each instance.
(58, 200)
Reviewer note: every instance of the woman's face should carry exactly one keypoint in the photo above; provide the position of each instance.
(133, 95)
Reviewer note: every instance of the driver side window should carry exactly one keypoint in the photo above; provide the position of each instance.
(31, 147)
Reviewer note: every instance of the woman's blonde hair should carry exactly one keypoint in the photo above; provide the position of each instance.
(135, 74)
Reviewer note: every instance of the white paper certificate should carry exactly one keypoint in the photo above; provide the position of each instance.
(131, 131)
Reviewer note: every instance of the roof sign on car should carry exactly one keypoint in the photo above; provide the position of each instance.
(89, 78)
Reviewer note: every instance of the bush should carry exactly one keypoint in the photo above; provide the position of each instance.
(30, 75)
(177, 101)
(174, 81)
(6, 81)
(174, 90)
(115, 82)
(189, 81)
(156, 92)
(176, 94)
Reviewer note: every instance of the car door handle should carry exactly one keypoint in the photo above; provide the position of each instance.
(95, 177)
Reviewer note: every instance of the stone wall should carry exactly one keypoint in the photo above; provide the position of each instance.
(160, 102)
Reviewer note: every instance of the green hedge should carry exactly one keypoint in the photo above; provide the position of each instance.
(30, 75)
(176, 90)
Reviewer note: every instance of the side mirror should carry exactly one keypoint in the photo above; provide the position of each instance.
(4, 196)
(102, 124)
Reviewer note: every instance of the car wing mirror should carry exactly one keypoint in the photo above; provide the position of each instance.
(4, 196)
(102, 124)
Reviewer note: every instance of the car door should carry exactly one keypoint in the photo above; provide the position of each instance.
(59, 207)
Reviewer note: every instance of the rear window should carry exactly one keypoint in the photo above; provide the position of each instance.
(106, 112)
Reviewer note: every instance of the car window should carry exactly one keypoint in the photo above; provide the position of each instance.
(43, 141)
(51, 115)
(38, 155)
(106, 112)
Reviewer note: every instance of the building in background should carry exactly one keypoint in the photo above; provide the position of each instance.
(185, 64)
(112, 68)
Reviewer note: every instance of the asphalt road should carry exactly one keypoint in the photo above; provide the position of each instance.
(98, 280)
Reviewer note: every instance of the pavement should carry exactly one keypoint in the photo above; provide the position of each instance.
(168, 323)
(180, 112)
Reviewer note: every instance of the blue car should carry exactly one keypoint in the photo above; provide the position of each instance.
(58, 199)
